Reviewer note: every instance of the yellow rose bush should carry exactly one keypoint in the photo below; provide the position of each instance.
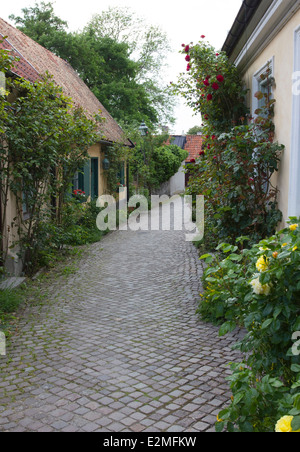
(285, 425)
(258, 289)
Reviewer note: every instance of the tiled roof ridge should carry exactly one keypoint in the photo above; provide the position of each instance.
(33, 54)
(20, 54)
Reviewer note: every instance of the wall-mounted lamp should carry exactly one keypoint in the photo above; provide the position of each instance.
(143, 129)
(106, 163)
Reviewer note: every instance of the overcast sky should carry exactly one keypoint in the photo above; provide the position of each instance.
(183, 21)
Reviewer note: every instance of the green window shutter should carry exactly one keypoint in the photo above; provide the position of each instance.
(81, 179)
(94, 178)
(123, 174)
(87, 178)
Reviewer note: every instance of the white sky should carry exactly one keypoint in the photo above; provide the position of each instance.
(184, 22)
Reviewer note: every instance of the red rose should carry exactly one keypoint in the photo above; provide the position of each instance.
(209, 97)
(202, 153)
(215, 86)
(202, 36)
(217, 54)
(188, 67)
(187, 49)
(206, 82)
(188, 58)
(220, 78)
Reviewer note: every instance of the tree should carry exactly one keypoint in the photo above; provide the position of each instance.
(195, 130)
(117, 56)
(43, 26)
(148, 46)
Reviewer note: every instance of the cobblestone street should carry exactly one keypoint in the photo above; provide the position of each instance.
(118, 346)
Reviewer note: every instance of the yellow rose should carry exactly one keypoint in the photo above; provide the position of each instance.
(295, 248)
(284, 425)
(262, 264)
(293, 227)
(260, 289)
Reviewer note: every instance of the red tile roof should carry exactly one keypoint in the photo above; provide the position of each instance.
(191, 143)
(194, 146)
(35, 60)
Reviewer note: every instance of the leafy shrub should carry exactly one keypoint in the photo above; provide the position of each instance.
(259, 289)
(234, 170)
(78, 227)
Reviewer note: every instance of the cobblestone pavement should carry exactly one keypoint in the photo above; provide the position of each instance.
(117, 346)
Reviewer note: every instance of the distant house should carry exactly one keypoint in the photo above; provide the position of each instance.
(34, 61)
(193, 145)
(267, 34)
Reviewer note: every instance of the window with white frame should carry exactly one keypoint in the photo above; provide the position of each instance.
(294, 182)
(263, 81)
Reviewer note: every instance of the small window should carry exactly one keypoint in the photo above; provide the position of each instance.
(78, 181)
(262, 81)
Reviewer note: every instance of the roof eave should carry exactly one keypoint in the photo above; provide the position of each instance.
(243, 19)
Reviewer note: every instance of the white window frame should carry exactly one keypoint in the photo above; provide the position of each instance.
(257, 82)
(294, 184)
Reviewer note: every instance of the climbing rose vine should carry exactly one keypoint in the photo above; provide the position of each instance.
(211, 85)
(234, 169)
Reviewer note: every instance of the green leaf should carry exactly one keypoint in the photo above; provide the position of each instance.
(205, 256)
(227, 327)
(238, 398)
(235, 257)
(296, 423)
(220, 427)
(266, 324)
(295, 368)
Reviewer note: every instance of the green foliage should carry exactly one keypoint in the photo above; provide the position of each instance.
(258, 289)
(234, 173)
(10, 300)
(46, 141)
(77, 228)
(194, 130)
(235, 168)
(114, 55)
(153, 162)
(42, 25)
(212, 86)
